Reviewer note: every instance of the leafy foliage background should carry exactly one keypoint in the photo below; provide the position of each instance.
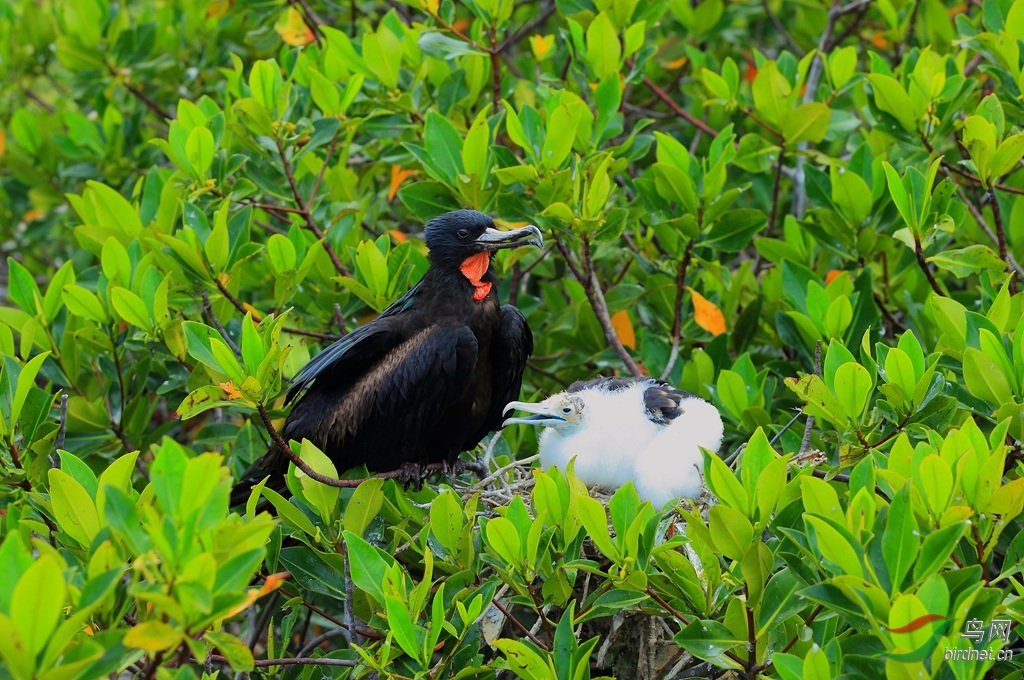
(793, 209)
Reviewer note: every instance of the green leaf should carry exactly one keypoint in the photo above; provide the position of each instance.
(237, 653)
(735, 229)
(674, 185)
(707, 639)
(37, 602)
(26, 380)
(899, 196)
(723, 483)
(893, 99)
(937, 549)
(807, 123)
(367, 566)
(447, 520)
(83, 303)
(851, 194)
(444, 145)
(984, 379)
(835, 546)
(853, 388)
(325, 94)
(382, 52)
(73, 508)
(561, 131)
(731, 531)
(265, 83)
(324, 497)
(604, 53)
(821, 499)
(199, 150)
(503, 538)
(202, 399)
(900, 541)
(130, 307)
(363, 506)
(771, 90)
(968, 261)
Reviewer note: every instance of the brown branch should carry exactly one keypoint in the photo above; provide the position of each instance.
(676, 109)
(237, 304)
(495, 71)
(595, 296)
(677, 316)
(751, 664)
(776, 187)
(997, 217)
(310, 224)
(528, 27)
(294, 661)
(924, 266)
(310, 472)
(519, 624)
(139, 94)
(320, 175)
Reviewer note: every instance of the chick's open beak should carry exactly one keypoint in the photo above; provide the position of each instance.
(545, 414)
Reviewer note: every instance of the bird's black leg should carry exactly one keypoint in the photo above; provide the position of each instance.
(411, 473)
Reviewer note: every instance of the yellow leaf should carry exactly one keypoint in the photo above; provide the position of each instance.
(706, 314)
(293, 29)
(398, 175)
(230, 391)
(624, 329)
(152, 636)
(542, 45)
(431, 6)
(218, 8)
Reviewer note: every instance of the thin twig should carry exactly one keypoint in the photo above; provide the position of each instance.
(592, 287)
(310, 472)
(776, 187)
(208, 308)
(997, 217)
(805, 443)
(924, 266)
(528, 27)
(677, 317)
(676, 109)
(519, 624)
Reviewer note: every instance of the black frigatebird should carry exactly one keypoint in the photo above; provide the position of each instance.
(627, 429)
(425, 380)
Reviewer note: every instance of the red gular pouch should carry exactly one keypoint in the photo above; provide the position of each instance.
(473, 268)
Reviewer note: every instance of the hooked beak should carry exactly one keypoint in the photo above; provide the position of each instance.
(545, 414)
(492, 239)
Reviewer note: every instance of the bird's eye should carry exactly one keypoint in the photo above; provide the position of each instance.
(566, 409)
(463, 233)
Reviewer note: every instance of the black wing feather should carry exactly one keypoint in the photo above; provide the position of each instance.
(512, 346)
(385, 418)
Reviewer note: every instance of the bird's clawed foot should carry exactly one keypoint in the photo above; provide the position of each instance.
(412, 473)
(477, 466)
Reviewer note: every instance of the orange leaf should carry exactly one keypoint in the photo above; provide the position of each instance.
(624, 329)
(677, 63)
(230, 391)
(879, 41)
(750, 73)
(461, 25)
(270, 584)
(293, 29)
(398, 175)
(399, 236)
(256, 316)
(3, 143)
(33, 215)
(832, 275)
(706, 314)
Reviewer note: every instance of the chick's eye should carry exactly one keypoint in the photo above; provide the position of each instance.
(566, 409)
(463, 233)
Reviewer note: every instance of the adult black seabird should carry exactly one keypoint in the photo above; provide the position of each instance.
(627, 429)
(425, 380)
